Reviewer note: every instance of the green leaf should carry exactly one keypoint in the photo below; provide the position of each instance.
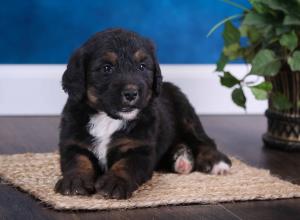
(248, 54)
(298, 104)
(259, 94)
(289, 7)
(231, 34)
(282, 30)
(223, 60)
(259, 8)
(278, 5)
(280, 102)
(294, 61)
(256, 1)
(238, 97)
(228, 80)
(289, 40)
(244, 30)
(262, 90)
(291, 20)
(254, 19)
(266, 86)
(265, 63)
(269, 33)
(232, 51)
(254, 35)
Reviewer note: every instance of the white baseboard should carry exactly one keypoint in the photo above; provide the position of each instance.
(36, 89)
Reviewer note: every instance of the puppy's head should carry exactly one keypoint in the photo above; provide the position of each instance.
(115, 71)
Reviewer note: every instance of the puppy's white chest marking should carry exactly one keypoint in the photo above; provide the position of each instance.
(101, 127)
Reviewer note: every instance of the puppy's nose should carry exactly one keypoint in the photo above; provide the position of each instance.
(130, 94)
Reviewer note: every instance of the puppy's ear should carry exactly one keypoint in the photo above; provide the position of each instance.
(73, 80)
(157, 81)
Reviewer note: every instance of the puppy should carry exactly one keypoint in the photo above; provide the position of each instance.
(121, 122)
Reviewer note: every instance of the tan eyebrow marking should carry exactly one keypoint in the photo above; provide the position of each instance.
(139, 55)
(110, 57)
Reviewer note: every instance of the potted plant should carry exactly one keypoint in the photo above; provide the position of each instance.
(268, 38)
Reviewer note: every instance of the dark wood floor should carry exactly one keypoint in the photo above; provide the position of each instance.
(239, 136)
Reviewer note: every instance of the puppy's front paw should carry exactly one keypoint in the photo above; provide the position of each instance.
(213, 162)
(112, 186)
(75, 185)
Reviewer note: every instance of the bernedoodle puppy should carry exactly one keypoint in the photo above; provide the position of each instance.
(121, 122)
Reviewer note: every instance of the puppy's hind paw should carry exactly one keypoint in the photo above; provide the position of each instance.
(220, 168)
(183, 160)
(213, 162)
(183, 165)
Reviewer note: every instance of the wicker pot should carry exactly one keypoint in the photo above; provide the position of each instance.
(284, 126)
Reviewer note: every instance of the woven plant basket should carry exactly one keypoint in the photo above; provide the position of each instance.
(284, 126)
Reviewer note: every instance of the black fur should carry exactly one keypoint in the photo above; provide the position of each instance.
(95, 79)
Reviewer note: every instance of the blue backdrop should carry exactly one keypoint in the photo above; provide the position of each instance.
(47, 31)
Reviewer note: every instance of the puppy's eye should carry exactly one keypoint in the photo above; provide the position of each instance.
(141, 67)
(107, 68)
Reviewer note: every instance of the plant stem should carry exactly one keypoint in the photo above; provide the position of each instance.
(222, 22)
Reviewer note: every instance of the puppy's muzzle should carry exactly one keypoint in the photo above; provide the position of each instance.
(130, 94)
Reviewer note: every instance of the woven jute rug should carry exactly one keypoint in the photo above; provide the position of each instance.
(37, 174)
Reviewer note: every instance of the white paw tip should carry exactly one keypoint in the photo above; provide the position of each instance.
(220, 168)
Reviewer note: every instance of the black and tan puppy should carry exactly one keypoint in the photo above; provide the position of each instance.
(121, 122)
